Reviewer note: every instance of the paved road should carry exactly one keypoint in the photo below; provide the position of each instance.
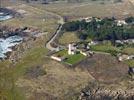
(48, 45)
(60, 22)
(58, 30)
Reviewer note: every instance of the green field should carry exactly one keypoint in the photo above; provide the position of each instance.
(128, 50)
(70, 59)
(73, 59)
(10, 73)
(130, 63)
(33, 57)
(105, 47)
(61, 53)
(68, 37)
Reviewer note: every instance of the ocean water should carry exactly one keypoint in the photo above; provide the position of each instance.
(6, 44)
(2, 18)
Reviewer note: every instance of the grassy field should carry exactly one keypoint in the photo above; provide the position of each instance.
(68, 37)
(33, 17)
(130, 63)
(33, 57)
(59, 82)
(129, 50)
(61, 53)
(10, 73)
(70, 59)
(74, 59)
(105, 68)
(105, 47)
(74, 11)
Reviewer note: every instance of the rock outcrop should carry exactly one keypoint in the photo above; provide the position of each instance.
(96, 92)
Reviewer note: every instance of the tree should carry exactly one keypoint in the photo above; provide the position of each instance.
(113, 37)
(129, 19)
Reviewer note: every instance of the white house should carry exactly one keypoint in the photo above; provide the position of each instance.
(129, 41)
(125, 57)
(57, 58)
(71, 49)
(121, 22)
(92, 43)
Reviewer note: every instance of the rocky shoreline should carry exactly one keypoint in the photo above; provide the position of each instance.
(97, 92)
(5, 34)
(25, 33)
(6, 31)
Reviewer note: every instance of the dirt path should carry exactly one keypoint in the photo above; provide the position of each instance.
(132, 2)
(61, 22)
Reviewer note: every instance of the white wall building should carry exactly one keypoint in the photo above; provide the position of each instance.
(71, 49)
(121, 22)
(56, 58)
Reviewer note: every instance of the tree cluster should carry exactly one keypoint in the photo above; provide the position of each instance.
(106, 29)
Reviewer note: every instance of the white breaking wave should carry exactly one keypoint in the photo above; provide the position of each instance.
(2, 18)
(6, 44)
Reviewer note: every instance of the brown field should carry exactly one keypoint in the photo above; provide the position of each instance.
(105, 68)
(68, 37)
(129, 51)
(119, 10)
(33, 17)
(59, 82)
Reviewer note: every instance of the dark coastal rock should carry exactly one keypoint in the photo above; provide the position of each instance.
(6, 11)
(97, 92)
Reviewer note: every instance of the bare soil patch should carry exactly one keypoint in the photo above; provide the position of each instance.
(105, 68)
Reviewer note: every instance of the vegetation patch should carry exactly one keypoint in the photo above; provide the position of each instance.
(35, 72)
(130, 62)
(62, 53)
(101, 29)
(129, 50)
(105, 68)
(9, 73)
(35, 54)
(106, 47)
(68, 37)
(73, 59)
(69, 59)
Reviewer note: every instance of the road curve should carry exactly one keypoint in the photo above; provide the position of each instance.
(48, 45)
(58, 30)
(60, 22)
